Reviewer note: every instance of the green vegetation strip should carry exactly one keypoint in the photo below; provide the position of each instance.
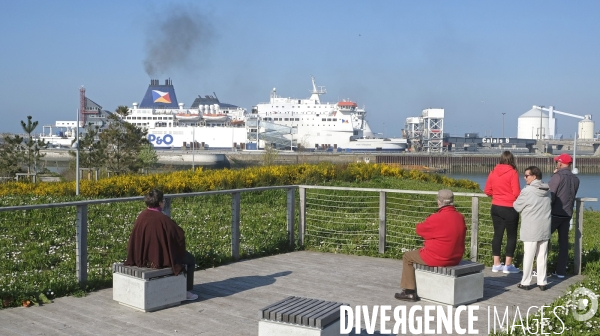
(37, 247)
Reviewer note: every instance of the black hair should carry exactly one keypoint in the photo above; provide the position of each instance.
(535, 171)
(153, 198)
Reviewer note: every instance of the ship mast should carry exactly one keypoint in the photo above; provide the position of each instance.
(315, 93)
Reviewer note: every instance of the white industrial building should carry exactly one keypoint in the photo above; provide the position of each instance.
(539, 123)
(586, 128)
(426, 132)
(533, 124)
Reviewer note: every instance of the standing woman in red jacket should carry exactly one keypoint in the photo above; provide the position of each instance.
(503, 186)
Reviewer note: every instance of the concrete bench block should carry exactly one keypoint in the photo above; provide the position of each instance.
(298, 316)
(274, 328)
(149, 295)
(447, 289)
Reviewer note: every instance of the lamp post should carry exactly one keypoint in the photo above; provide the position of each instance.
(77, 156)
(574, 170)
(503, 113)
(193, 148)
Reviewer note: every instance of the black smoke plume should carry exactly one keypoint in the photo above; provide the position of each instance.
(176, 39)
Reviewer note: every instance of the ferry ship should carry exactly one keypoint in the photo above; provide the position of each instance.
(282, 123)
(315, 125)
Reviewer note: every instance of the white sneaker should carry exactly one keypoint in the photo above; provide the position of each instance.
(498, 268)
(510, 269)
(534, 274)
(558, 275)
(190, 296)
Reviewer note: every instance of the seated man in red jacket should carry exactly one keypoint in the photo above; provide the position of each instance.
(158, 242)
(444, 234)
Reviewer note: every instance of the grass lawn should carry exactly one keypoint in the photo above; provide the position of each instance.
(37, 247)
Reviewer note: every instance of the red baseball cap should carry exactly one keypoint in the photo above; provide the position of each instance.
(564, 158)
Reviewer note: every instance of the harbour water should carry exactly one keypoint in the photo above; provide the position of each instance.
(589, 185)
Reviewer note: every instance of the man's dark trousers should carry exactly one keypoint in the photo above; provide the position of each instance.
(562, 225)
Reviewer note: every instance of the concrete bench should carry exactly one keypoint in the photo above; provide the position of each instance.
(147, 289)
(455, 285)
(298, 316)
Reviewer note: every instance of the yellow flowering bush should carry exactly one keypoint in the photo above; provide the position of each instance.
(206, 180)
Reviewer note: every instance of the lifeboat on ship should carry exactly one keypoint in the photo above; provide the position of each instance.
(187, 116)
(215, 117)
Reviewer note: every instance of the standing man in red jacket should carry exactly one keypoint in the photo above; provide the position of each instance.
(444, 233)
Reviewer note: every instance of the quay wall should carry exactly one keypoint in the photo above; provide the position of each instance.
(449, 162)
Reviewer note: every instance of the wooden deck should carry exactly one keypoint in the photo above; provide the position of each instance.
(231, 295)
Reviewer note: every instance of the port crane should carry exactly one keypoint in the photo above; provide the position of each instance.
(551, 121)
(552, 128)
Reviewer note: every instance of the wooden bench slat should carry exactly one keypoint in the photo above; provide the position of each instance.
(306, 304)
(271, 311)
(284, 313)
(311, 319)
(463, 268)
(264, 312)
(326, 319)
(310, 312)
(296, 317)
(288, 307)
(333, 309)
(303, 311)
(141, 272)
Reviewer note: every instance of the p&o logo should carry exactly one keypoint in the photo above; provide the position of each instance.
(167, 139)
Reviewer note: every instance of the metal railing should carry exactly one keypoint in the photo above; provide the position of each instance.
(81, 236)
(385, 215)
(475, 215)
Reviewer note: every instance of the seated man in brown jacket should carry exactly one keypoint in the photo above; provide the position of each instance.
(158, 242)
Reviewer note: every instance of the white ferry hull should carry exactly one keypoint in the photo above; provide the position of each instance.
(212, 137)
(283, 123)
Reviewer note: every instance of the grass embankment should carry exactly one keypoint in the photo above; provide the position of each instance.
(37, 247)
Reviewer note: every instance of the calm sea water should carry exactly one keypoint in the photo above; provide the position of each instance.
(589, 185)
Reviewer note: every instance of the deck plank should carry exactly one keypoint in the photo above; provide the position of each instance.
(230, 297)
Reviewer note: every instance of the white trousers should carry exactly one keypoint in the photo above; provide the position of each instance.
(531, 249)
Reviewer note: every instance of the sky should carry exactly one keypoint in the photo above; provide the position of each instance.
(475, 59)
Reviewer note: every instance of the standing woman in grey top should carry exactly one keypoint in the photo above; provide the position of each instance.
(534, 205)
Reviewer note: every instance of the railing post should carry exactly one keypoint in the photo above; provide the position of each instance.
(474, 226)
(167, 207)
(578, 236)
(302, 215)
(81, 244)
(382, 226)
(291, 214)
(235, 226)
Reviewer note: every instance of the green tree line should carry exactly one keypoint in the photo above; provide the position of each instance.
(119, 148)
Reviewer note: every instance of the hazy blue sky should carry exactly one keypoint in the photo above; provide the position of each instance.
(476, 59)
